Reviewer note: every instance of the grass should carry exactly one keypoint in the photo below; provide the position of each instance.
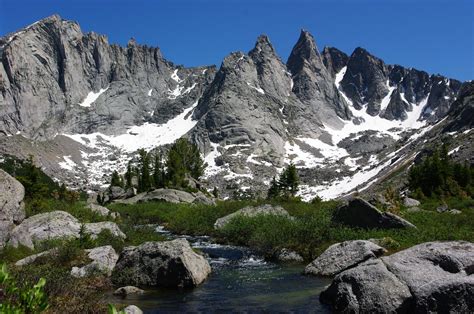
(310, 233)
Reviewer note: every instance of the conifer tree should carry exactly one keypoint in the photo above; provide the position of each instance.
(274, 191)
(144, 177)
(289, 180)
(183, 158)
(158, 171)
(116, 180)
(128, 176)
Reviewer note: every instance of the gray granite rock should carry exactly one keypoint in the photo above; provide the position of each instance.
(127, 290)
(166, 264)
(360, 213)
(252, 211)
(46, 226)
(103, 262)
(427, 278)
(341, 256)
(95, 228)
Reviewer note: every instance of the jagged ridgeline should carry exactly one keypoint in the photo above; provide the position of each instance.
(84, 107)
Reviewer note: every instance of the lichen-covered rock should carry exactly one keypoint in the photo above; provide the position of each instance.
(252, 211)
(362, 214)
(341, 256)
(12, 208)
(288, 256)
(368, 288)
(433, 277)
(46, 226)
(97, 227)
(165, 264)
(103, 262)
(12, 193)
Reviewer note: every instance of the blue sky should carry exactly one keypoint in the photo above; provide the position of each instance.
(432, 35)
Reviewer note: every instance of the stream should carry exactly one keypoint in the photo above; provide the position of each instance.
(241, 281)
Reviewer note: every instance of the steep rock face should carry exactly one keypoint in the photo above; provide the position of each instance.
(313, 83)
(391, 91)
(334, 59)
(55, 79)
(365, 81)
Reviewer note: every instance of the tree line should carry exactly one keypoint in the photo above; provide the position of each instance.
(439, 175)
(153, 170)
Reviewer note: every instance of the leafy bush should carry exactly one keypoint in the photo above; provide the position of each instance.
(21, 299)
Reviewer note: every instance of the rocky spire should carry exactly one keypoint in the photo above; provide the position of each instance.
(313, 83)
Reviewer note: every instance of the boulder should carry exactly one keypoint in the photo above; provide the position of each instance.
(168, 195)
(203, 199)
(124, 291)
(101, 210)
(12, 193)
(12, 208)
(45, 226)
(252, 211)
(132, 309)
(6, 228)
(97, 227)
(166, 264)
(427, 278)
(442, 208)
(103, 259)
(410, 202)
(454, 211)
(369, 287)
(32, 258)
(362, 214)
(341, 256)
(288, 256)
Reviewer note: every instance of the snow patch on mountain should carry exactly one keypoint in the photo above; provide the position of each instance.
(92, 97)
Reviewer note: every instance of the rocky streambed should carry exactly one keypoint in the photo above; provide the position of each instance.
(240, 281)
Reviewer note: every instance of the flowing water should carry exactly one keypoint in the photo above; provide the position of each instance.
(240, 281)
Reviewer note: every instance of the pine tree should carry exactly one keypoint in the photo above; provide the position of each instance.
(289, 180)
(215, 192)
(116, 180)
(144, 178)
(184, 158)
(274, 191)
(128, 176)
(158, 171)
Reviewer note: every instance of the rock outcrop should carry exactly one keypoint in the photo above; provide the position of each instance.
(103, 262)
(12, 208)
(164, 264)
(168, 195)
(341, 256)
(46, 226)
(362, 214)
(95, 228)
(252, 211)
(427, 278)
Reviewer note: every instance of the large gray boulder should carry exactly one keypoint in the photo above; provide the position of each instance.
(252, 211)
(341, 256)
(367, 288)
(132, 309)
(46, 226)
(165, 264)
(95, 228)
(12, 208)
(427, 278)
(362, 214)
(103, 259)
(12, 193)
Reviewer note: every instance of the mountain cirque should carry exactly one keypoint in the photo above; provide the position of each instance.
(83, 106)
